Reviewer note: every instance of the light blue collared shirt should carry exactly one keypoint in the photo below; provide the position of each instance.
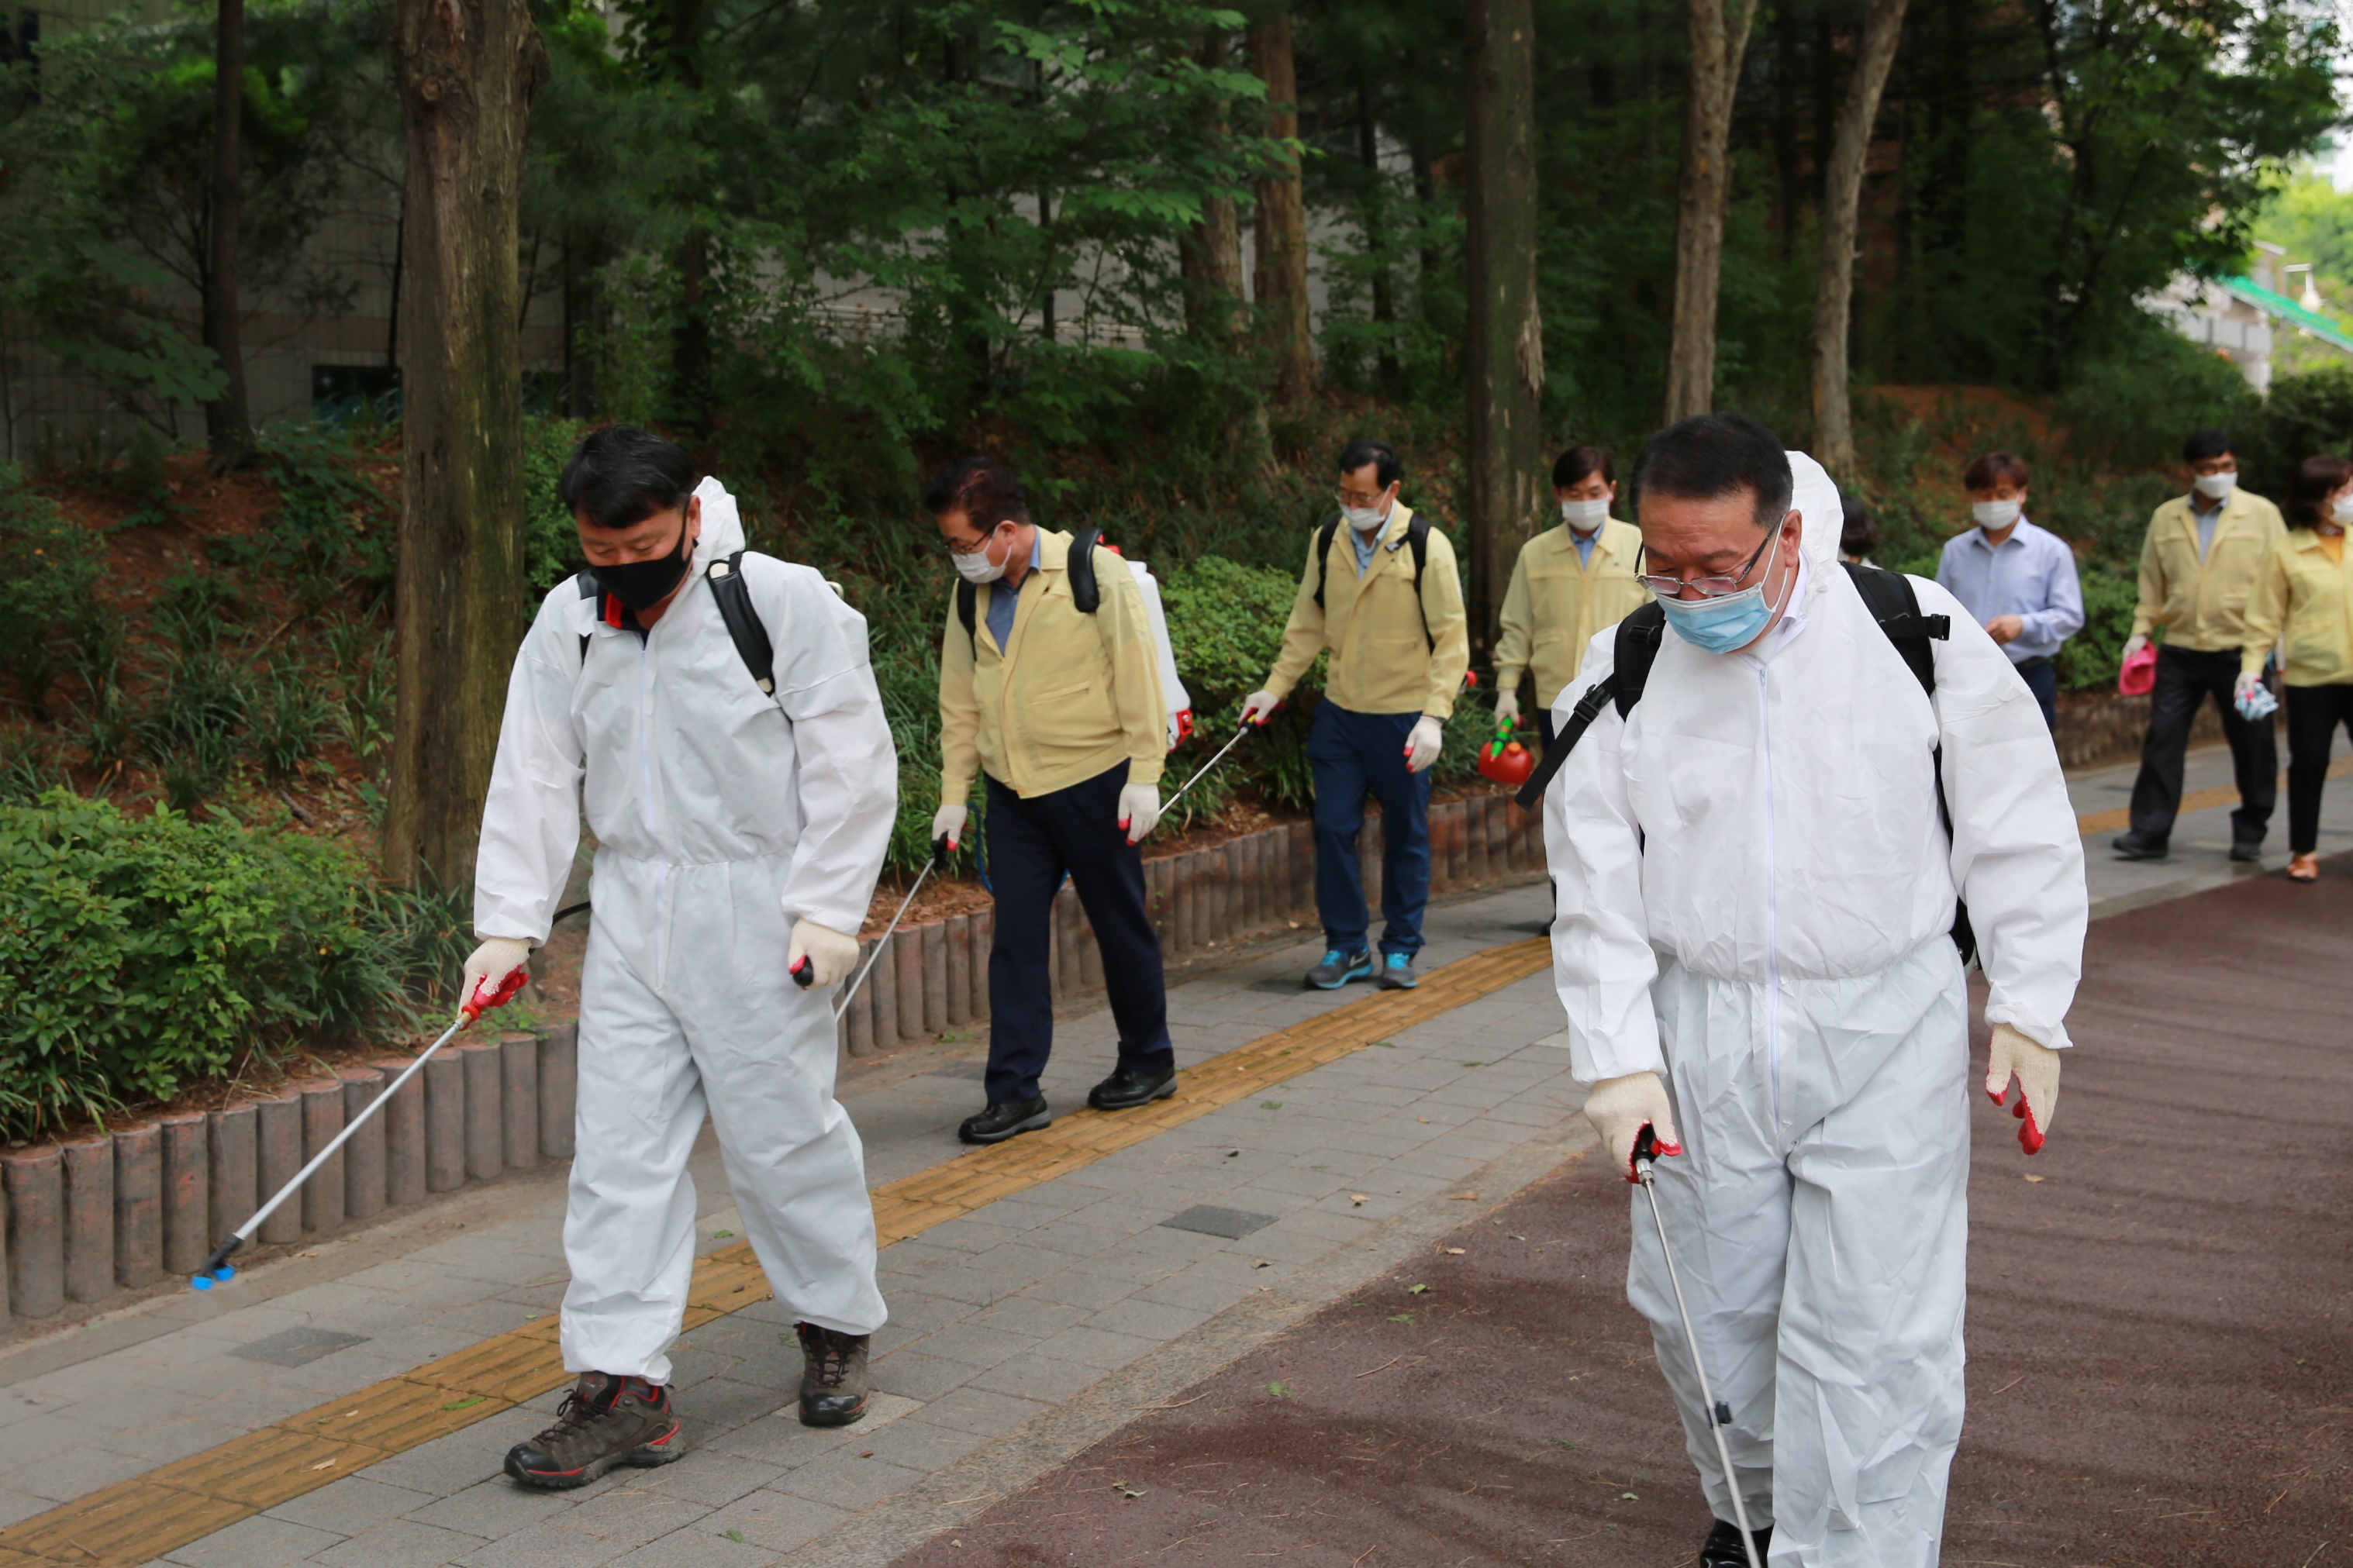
(2031, 576)
(1004, 597)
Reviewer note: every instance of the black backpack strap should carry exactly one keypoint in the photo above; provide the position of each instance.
(1633, 649)
(744, 627)
(1324, 537)
(1892, 602)
(1417, 538)
(1086, 593)
(968, 609)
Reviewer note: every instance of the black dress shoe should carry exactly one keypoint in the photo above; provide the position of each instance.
(999, 1122)
(2138, 846)
(1722, 1549)
(1129, 1086)
(2247, 849)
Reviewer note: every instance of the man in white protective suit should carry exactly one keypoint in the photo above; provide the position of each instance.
(1759, 950)
(741, 816)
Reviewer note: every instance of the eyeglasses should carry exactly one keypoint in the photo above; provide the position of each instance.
(966, 547)
(1355, 499)
(1709, 587)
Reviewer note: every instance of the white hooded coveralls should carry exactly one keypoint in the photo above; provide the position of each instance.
(721, 816)
(1754, 896)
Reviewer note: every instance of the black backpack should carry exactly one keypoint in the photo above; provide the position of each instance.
(1084, 592)
(744, 627)
(1417, 538)
(1889, 597)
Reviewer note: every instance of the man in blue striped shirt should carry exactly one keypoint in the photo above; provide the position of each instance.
(2018, 580)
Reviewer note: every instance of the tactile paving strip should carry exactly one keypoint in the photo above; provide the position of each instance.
(136, 1520)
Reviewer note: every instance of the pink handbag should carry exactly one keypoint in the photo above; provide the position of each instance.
(2138, 675)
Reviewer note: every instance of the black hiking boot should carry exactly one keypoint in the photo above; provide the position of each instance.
(603, 1422)
(834, 1379)
(1129, 1086)
(999, 1122)
(2138, 847)
(1723, 1547)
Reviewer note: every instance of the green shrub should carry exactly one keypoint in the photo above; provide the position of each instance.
(1225, 627)
(139, 955)
(551, 546)
(50, 564)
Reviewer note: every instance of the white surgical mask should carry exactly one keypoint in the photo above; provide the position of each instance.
(1584, 516)
(1994, 515)
(1363, 518)
(2340, 511)
(2215, 486)
(977, 567)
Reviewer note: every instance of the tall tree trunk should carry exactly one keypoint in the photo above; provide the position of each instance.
(691, 394)
(467, 72)
(1504, 347)
(1882, 29)
(1210, 253)
(1719, 41)
(1282, 234)
(229, 422)
(1787, 200)
(1377, 216)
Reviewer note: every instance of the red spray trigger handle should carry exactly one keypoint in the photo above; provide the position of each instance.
(802, 973)
(484, 998)
(1647, 1150)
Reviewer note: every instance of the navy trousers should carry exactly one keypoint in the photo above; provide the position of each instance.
(1353, 755)
(1032, 844)
(2041, 678)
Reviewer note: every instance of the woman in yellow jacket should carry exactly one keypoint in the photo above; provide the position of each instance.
(1570, 583)
(2304, 598)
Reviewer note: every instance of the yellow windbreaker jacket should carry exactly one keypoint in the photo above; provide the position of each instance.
(1390, 653)
(1069, 697)
(1557, 601)
(2301, 592)
(2202, 604)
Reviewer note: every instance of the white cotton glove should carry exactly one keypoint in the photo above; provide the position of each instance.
(2134, 644)
(2036, 1067)
(831, 956)
(1620, 1108)
(1258, 707)
(489, 971)
(1508, 708)
(1139, 808)
(1421, 747)
(948, 823)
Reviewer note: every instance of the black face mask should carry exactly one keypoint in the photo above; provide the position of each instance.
(642, 585)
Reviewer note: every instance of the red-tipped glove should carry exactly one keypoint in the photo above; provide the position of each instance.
(1620, 1108)
(498, 968)
(2036, 1067)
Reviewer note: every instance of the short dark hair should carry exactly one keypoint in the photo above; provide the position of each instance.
(1388, 469)
(2201, 445)
(622, 475)
(1859, 533)
(1711, 455)
(982, 488)
(1572, 467)
(2308, 492)
(1988, 470)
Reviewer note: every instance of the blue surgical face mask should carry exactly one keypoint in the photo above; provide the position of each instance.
(1726, 625)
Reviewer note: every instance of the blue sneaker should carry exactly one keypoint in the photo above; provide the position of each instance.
(1396, 972)
(1338, 968)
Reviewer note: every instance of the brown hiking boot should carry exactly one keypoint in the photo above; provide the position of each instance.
(603, 1422)
(834, 1380)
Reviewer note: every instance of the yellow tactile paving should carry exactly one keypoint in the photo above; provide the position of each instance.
(135, 1520)
(2196, 800)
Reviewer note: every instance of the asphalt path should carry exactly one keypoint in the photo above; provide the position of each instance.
(2161, 1367)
